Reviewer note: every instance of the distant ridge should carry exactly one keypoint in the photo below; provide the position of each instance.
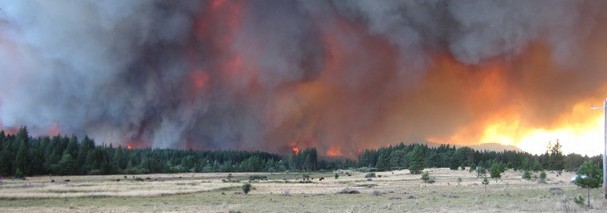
(480, 147)
(495, 147)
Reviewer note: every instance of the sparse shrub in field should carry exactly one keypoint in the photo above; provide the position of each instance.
(258, 177)
(246, 188)
(459, 181)
(370, 175)
(336, 175)
(496, 171)
(427, 179)
(543, 177)
(527, 175)
(348, 191)
(485, 183)
(579, 200)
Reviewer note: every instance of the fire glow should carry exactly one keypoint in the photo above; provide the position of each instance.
(281, 76)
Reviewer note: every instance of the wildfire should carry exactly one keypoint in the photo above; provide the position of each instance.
(334, 151)
(295, 149)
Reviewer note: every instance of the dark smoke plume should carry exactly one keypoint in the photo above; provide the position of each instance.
(338, 75)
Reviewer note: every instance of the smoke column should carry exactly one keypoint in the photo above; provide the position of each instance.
(339, 75)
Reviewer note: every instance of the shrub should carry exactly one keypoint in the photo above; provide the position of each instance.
(348, 191)
(496, 171)
(336, 175)
(427, 179)
(246, 188)
(258, 177)
(370, 175)
(579, 200)
(485, 183)
(527, 175)
(305, 177)
(542, 177)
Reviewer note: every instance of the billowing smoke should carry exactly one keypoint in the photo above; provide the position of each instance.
(339, 75)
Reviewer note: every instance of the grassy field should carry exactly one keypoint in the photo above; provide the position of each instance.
(394, 191)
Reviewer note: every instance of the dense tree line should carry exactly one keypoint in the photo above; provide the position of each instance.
(22, 155)
(418, 156)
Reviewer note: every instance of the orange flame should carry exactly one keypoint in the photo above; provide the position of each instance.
(334, 151)
(295, 149)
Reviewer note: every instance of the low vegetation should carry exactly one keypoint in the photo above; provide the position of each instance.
(396, 191)
(246, 188)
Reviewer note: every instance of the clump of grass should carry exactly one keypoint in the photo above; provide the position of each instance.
(348, 191)
(370, 175)
(257, 177)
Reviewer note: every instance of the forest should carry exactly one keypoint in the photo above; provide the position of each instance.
(22, 155)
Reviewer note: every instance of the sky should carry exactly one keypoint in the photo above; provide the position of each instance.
(338, 75)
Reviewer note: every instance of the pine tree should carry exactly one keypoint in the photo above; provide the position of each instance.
(416, 160)
(21, 158)
(589, 176)
(383, 162)
(495, 171)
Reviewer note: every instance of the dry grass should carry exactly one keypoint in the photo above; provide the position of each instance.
(396, 191)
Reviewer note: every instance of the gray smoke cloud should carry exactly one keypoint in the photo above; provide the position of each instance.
(121, 71)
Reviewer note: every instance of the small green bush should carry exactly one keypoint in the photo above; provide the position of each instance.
(336, 175)
(527, 175)
(579, 200)
(246, 188)
(485, 183)
(542, 177)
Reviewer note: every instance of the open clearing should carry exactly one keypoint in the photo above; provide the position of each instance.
(394, 191)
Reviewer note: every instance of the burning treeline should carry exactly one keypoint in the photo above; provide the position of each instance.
(278, 75)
